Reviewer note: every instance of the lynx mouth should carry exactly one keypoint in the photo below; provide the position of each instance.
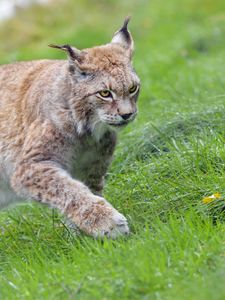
(121, 124)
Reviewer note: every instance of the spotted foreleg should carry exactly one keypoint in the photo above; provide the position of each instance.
(47, 182)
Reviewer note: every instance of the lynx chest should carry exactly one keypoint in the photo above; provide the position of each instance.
(91, 157)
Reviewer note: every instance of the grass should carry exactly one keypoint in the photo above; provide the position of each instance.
(166, 162)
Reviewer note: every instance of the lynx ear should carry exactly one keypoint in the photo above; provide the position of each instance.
(74, 54)
(123, 36)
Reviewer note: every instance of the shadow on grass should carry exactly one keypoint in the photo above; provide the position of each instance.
(205, 44)
(159, 140)
(182, 161)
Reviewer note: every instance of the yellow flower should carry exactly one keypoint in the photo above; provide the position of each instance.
(207, 200)
(217, 195)
(211, 198)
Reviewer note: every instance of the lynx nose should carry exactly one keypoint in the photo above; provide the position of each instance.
(126, 116)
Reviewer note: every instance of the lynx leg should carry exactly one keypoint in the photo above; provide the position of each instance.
(46, 182)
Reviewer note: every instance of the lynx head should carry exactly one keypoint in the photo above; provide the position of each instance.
(104, 84)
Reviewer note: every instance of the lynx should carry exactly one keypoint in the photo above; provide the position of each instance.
(58, 122)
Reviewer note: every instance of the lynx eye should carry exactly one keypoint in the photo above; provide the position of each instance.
(133, 89)
(105, 94)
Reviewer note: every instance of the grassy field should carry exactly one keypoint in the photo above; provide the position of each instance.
(166, 162)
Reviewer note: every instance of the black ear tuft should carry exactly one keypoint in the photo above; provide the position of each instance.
(124, 29)
(123, 36)
(73, 53)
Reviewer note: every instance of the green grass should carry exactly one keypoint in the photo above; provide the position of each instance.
(171, 157)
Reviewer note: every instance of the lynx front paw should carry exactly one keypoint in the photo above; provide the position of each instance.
(112, 227)
(99, 219)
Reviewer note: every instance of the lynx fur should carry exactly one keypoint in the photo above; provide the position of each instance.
(58, 123)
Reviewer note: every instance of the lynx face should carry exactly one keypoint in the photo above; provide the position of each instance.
(107, 86)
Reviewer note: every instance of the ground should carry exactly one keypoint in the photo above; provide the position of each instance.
(166, 162)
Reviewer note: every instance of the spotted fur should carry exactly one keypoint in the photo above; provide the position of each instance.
(57, 134)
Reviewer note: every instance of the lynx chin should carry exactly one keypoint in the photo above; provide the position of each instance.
(58, 124)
